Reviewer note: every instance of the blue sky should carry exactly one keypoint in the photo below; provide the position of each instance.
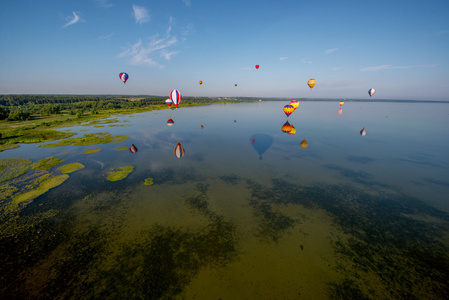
(400, 48)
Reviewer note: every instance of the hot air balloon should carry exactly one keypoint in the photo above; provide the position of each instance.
(371, 92)
(133, 149)
(257, 67)
(123, 76)
(363, 131)
(311, 83)
(341, 103)
(294, 103)
(201, 126)
(179, 150)
(175, 97)
(288, 109)
(235, 84)
(170, 122)
(286, 127)
(200, 82)
(304, 144)
(168, 102)
(261, 142)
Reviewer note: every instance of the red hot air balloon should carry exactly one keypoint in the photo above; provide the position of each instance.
(288, 109)
(123, 77)
(341, 103)
(257, 67)
(133, 149)
(179, 150)
(175, 97)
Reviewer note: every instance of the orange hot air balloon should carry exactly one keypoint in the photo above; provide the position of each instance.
(288, 109)
(341, 103)
(286, 127)
(304, 144)
(200, 82)
(257, 67)
(311, 83)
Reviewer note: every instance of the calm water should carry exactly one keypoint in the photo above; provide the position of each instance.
(246, 213)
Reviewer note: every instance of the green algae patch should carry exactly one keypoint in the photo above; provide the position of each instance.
(121, 148)
(11, 168)
(89, 139)
(92, 151)
(116, 174)
(44, 184)
(46, 163)
(4, 147)
(149, 181)
(69, 168)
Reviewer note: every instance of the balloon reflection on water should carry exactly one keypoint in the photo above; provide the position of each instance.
(261, 142)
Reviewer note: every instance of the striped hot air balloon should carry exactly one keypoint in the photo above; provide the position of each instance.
(123, 77)
(371, 92)
(175, 97)
(311, 83)
(179, 150)
(288, 109)
(168, 102)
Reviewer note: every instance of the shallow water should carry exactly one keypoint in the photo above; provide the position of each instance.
(246, 212)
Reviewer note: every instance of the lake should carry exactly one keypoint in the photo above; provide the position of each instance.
(345, 202)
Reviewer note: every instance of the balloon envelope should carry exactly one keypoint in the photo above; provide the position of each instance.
(341, 103)
(371, 92)
(257, 66)
(311, 83)
(261, 142)
(200, 82)
(286, 127)
(363, 132)
(133, 149)
(175, 97)
(123, 77)
(168, 102)
(288, 109)
(294, 103)
(179, 150)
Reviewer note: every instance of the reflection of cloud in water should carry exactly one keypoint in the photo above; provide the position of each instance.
(360, 159)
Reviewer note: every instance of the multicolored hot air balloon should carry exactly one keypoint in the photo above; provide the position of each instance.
(286, 127)
(304, 144)
(133, 149)
(371, 92)
(123, 77)
(363, 131)
(170, 122)
(311, 83)
(235, 84)
(257, 67)
(168, 102)
(294, 103)
(200, 82)
(175, 97)
(179, 150)
(288, 109)
(341, 103)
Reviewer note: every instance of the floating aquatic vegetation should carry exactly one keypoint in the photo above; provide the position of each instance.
(120, 173)
(4, 147)
(69, 168)
(99, 126)
(46, 163)
(37, 188)
(121, 148)
(13, 167)
(104, 121)
(149, 181)
(89, 139)
(92, 151)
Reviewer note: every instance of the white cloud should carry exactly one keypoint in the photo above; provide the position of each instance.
(390, 67)
(72, 20)
(329, 51)
(141, 14)
(104, 3)
(187, 2)
(106, 37)
(283, 58)
(305, 61)
(148, 54)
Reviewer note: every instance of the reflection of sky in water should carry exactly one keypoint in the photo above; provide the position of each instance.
(285, 213)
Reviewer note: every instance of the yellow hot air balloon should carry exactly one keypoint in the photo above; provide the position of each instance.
(311, 83)
(304, 144)
(294, 103)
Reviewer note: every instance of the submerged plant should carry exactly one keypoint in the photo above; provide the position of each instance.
(116, 174)
(69, 168)
(11, 168)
